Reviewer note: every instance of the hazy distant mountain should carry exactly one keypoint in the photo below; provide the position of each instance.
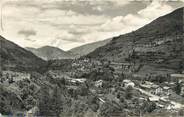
(86, 49)
(157, 44)
(50, 53)
(14, 57)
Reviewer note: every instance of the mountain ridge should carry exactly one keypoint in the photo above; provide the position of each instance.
(159, 36)
(87, 48)
(50, 53)
(17, 58)
(53, 53)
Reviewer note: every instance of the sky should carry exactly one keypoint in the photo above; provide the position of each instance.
(70, 23)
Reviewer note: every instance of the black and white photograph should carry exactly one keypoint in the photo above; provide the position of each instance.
(91, 58)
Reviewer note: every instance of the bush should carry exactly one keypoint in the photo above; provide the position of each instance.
(107, 109)
(83, 90)
(30, 102)
(129, 92)
(93, 103)
(181, 112)
(148, 106)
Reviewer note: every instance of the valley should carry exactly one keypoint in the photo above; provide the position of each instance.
(137, 74)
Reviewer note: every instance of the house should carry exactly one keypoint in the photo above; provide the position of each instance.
(167, 90)
(128, 83)
(15, 76)
(96, 62)
(75, 80)
(144, 86)
(159, 91)
(99, 83)
(154, 99)
(160, 105)
(175, 77)
(149, 85)
(126, 66)
(170, 107)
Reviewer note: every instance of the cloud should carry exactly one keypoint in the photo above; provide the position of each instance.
(155, 9)
(120, 2)
(65, 38)
(70, 23)
(27, 34)
(69, 37)
(98, 8)
(114, 2)
(131, 22)
(72, 40)
(134, 20)
(113, 24)
(78, 30)
(94, 7)
(79, 19)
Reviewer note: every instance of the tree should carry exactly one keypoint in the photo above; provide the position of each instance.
(181, 112)
(57, 102)
(44, 102)
(93, 102)
(151, 107)
(83, 90)
(180, 69)
(10, 80)
(5, 107)
(107, 75)
(111, 108)
(148, 106)
(178, 88)
(30, 102)
(50, 104)
(128, 92)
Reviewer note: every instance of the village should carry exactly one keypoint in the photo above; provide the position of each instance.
(163, 93)
(110, 82)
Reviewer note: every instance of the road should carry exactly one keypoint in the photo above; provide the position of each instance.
(176, 105)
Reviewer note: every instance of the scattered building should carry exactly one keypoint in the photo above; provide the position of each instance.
(158, 91)
(75, 80)
(175, 77)
(99, 83)
(127, 83)
(11, 76)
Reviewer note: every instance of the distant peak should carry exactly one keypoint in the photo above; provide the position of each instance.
(47, 46)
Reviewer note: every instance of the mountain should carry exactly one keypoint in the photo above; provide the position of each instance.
(13, 57)
(86, 49)
(50, 53)
(157, 45)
